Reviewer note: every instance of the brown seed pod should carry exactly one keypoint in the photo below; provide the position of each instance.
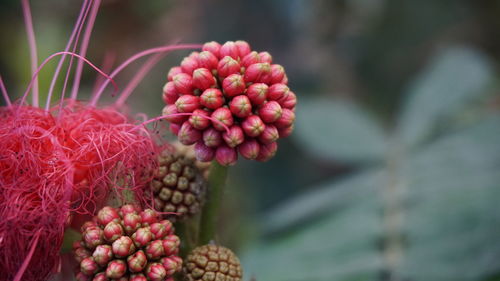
(188, 152)
(212, 263)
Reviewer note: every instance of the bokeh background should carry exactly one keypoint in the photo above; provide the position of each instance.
(393, 171)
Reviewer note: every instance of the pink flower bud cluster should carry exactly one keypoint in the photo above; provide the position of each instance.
(233, 100)
(127, 244)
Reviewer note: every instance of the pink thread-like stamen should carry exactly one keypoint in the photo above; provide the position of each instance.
(26, 262)
(182, 114)
(4, 92)
(107, 64)
(32, 45)
(94, 100)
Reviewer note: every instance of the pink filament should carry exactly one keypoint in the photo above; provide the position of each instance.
(4, 92)
(32, 44)
(182, 114)
(107, 64)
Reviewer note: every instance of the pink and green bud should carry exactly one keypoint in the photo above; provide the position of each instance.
(212, 98)
(170, 94)
(123, 246)
(203, 79)
(88, 224)
(116, 269)
(189, 64)
(156, 272)
(102, 254)
(257, 93)
(270, 112)
(93, 237)
(233, 85)
(171, 245)
(187, 103)
(249, 149)
(88, 266)
(80, 276)
(269, 135)
(199, 120)
(138, 277)
(241, 106)
(286, 120)
(173, 71)
(253, 126)
(226, 155)
(106, 215)
(265, 57)
(149, 217)
(212, 137)
(234, 136)
(168, 226)
(229, 49)
(285, 80)
(249, 59)
(137, 262)
(81, 254)
(170, 265)
(203, 153)
(131, 222)
(227, 66)
(174, 128)
(256, 71)
(224, 116)
(267, 151)
(278, 91)
(277, 73)
(285, 132)
(155, 250)
(129, 209)
(290, 101)
(158, 230)
(207, 60)
(113, 231)
(188, 134)
(212, 47)
(169, 111)
(183, 83)
(101, 276)
(243, 48)
(142, 236)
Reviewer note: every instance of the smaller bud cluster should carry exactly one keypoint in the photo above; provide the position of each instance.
(212, 262)
(233, 100)
(127, 244)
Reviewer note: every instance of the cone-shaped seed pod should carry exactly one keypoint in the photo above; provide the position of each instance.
(212, 262)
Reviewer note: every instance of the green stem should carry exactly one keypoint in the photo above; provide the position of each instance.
(216, 183)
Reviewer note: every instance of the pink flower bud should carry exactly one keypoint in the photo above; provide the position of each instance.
(290, 101)
(212, 137)
(226, 156)
(233, 85)
(81, 253)
(234, 137)
(123, 247)
(170, 94)
(249, 149)
(174, 128)
(285, 80)
(183, 83)
(203, 153)
(207, 60)
(101, 276)
(158, 230)
(88, 266)
(270, 111)
(229, 49)
(277, 73)
(131, 222)
(257, 93)
(243, 48)
(173, 71)
(189, 64)
(265, 57)
(137, 262)
(138, 277)
(256, 71)
(188, 135)
(227, 66)
(286, 120)
(224, 116)
(212, 98)
(156, 272)
(171, 245)
(277, 91)
(269, 135)
(77, 244)
(240, 106)
(187, 103)
(170, 265)
(93, 237)
(203, 78)
(199, 119)
(253, 126)
(172, 109)
(113, 231)
(142, 236)
(102, 254)
(285, 132)
(213, 47)
(149, 217)
(250, 58)
(116, 269)
(80, 276)
(88, 224)
(129, 209)
(169, 227)
(155, 250)
(267, 151)
(106, 215)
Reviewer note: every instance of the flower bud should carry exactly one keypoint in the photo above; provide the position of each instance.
(116, 269)
(285, 132)
(212, 137)
(277, 91)
(227, 66)
(270, 111)
(155, 250)
(224, 116)
(142, 236)
(81, 253)
(174, 128)
(149, 217)
(256, 71)
(243, 48)
(158, 230)
(249, 149)
(183, 83)
(123, 247)
(269, 135)
(249, 59)
(137, 262)
(106, 215)
(102, 254)
(203, 78)
(229, 49)
(277, 73)
(189, 64)
(207, 60)
(203, 153)
(265, 57)
(253, 126)
(233, 85)
(234, 137)
(131, 222)
(257, 93)
(129, 209)
(286, 120)
(172, 109)
(290, 101)
(240, 106)
(285, 80)
(267, 151)
(88, 266)
(212, 98)
(173, 71)
(156, 272)
(101, 276)
(113, 231)
(187, 103)
(188, 135)
(213, 47)
(170, 94)
(93, 237)
(80, 276)
(170, 265)
(199, 119)
(226, 156)
(138, 277)
(88, 224)
(171, 245)
(169, 227)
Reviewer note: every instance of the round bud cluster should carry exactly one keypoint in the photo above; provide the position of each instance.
(211, 262)
(127, 244)
(178, 185)
(189, 153)
(231, 100)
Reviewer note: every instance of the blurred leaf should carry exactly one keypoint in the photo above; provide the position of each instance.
(454, 79)
(339, 130)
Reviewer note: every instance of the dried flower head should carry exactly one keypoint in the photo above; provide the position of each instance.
(212, 262)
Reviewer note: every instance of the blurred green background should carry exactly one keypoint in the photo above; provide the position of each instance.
(393, 171)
